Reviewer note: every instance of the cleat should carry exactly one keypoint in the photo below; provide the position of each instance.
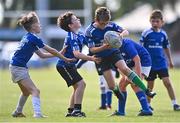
(108, 107)
(176, 107)
(78, 114)
(116, 113)
(102, 108)
(145, 113)
(151, 108)
(68, 115)
(18, 114)
(150, 94)
(39, 115)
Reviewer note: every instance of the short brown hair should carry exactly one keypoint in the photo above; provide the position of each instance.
(64, 20)
(102, 14)
(156, 14)
(27, 20)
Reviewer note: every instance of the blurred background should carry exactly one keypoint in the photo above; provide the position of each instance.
(130, 14)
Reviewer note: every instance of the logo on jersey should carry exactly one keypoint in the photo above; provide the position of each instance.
(162, 39)
(22, 42)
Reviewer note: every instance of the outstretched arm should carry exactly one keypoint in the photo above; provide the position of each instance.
(44, 55)
(56, 53)
(82, 56)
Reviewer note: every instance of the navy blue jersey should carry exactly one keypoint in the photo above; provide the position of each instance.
(95, 37)
(72, 43)
(28, 45)
(155, 42)
(130, 49)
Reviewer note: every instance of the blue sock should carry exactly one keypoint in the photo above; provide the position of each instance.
(109, 98)
(103, 100)
(143, 100)
(122, 104)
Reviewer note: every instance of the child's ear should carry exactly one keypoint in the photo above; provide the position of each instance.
(163, 22)
(69, 25)
(150, 20)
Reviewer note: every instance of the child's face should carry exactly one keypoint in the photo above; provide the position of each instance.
(76, 24)
(156, 23)
(102, 24)
(36, 27)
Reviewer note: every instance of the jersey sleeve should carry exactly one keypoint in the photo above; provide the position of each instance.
(131, 50)
(37, 41)
(117, 28)
(166, 43)
(142, 38)
(90, 41)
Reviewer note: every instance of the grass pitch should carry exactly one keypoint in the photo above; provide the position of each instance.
(55, 97)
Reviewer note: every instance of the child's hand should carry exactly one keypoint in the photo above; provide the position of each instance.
(70, 60)
(96, 59)
(124, 33)
(106, 46)
(171, 65)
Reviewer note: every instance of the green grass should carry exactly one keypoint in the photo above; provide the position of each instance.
(55, 96)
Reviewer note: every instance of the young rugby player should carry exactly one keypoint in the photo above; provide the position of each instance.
(29, 44)
(73, 46)
(105, 92)
(110, 56)
(138, 59)
(155, 40)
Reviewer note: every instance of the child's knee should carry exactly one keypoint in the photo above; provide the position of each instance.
(125, 70)
(123, 84)
(82, 84)
(26, 94)
(35, 92)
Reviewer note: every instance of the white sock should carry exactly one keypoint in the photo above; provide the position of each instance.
(21, 102)
(36, 105)
(102, 84)
(173, 102)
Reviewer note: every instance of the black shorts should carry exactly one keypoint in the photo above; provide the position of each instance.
(99, 70)
(110, 61)
(160, 73)
(69, 74)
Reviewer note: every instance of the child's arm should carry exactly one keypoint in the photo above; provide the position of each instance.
(63, 50)
(44, 55)
(124, 33)
(99, 49)
(168, 54)
(57, 54)
(82, 56)
(137, 66)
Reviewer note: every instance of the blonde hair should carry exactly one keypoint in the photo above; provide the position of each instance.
(27, 20)
(102, 14)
